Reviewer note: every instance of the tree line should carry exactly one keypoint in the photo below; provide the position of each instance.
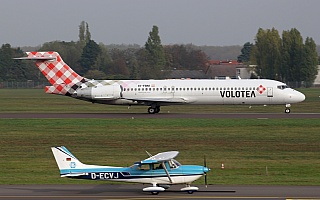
(285, 59)
(96, 61)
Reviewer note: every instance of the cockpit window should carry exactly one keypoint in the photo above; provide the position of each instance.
(174, 164)
(282, 87)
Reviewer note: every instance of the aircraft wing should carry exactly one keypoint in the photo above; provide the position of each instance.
(162, 100)
(74, 174)
(160, 157)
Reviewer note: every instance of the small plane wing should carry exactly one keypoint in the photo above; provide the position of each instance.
(160, 157)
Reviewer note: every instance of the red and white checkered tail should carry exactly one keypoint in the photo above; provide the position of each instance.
(63, 79)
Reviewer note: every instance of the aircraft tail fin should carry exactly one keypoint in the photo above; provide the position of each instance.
(68, 164)
(63, 79)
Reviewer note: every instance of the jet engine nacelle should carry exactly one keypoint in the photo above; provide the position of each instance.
(106, 92)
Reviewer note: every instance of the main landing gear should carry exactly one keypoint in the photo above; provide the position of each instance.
(287, 110)
(153, 110)
(154, 190)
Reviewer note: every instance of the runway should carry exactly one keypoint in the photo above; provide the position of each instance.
(162, 115)
(134, 191)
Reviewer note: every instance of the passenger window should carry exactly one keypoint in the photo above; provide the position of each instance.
(144, 167)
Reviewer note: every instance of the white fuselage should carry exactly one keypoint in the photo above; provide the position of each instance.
(200, 92)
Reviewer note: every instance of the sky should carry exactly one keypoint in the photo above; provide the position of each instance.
(200, 22)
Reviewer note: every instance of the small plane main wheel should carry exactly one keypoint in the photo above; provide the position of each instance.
(151, 110)
(190, 192)
(287, 110)
(154, 193)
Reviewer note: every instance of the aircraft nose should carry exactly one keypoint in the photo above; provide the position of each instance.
(299, 97)
(296, 96)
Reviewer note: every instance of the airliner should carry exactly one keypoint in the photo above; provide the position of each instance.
(156, 93)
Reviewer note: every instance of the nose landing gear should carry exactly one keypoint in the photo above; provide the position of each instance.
(287, 109)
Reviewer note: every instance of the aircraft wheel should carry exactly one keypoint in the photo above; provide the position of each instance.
(154, 193)
(287, 110)
(190, 192)
(151, 110)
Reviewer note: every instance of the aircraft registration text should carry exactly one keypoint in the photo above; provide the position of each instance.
(105, 175)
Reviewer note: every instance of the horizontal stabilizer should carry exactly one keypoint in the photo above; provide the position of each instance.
(74, 174)
(35, 58)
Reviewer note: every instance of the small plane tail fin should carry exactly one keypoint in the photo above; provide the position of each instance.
(62, 78)
(66, 161)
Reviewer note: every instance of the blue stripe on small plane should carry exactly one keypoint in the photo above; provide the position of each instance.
(118, 175)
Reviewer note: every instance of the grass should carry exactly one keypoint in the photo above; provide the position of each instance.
(254, 151)
(288, 148)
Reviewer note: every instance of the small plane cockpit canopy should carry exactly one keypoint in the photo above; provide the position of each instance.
(282, 87)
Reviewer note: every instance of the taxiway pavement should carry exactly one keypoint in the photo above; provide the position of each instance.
(134, 191)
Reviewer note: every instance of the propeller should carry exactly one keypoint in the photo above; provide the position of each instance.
(205, 173)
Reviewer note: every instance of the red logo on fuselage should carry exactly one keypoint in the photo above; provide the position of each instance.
(261, 89)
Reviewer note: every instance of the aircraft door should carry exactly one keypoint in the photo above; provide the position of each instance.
(269, 92)
(164, 89)
(172, 89)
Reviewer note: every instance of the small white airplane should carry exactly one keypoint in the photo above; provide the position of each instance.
(156, 93)
(160, 170)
